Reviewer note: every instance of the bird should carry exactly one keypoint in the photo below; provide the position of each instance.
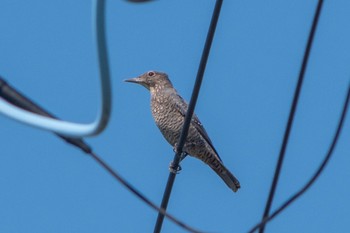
(168, 110)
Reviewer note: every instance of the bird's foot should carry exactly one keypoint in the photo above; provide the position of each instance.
(174, 169)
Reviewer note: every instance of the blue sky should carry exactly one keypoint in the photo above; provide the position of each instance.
(47, 51)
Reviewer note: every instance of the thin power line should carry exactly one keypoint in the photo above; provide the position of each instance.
(318, 171)
(292, 114)
(189, 113)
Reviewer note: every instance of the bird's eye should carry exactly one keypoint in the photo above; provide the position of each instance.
(151, 73)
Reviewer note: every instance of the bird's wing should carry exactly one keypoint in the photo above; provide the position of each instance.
(182, 107)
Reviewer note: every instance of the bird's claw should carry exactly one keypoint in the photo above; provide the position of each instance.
(174, 169)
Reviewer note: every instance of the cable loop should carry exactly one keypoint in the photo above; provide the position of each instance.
(70, 128)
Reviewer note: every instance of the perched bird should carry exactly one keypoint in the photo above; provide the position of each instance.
(169, 110)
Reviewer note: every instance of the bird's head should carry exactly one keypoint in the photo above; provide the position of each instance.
(152, 80)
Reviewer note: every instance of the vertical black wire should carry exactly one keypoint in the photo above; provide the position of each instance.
(318, 171)
(189, 113)
(292, 114)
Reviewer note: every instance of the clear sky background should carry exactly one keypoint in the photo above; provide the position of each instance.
(47, 51)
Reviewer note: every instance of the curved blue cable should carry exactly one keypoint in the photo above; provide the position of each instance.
(70, 128)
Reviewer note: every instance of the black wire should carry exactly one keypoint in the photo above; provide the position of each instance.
(318, 171)
(291, 114)
(189, 113)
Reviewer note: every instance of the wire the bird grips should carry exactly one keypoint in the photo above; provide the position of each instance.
(70, 128)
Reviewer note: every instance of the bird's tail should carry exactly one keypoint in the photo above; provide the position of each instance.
(230, 180)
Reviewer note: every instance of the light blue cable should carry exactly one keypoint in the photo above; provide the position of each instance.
(70, 128)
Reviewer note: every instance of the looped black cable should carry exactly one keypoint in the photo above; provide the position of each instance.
(318, 171)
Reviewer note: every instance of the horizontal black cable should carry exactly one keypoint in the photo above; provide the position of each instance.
(318, 171)
(189, 113)
(291, 114)
(14, 97)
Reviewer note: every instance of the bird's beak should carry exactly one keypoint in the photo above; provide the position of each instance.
(133, 80)
(137, 80)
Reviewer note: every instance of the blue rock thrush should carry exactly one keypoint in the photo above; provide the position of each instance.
(169, 110)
